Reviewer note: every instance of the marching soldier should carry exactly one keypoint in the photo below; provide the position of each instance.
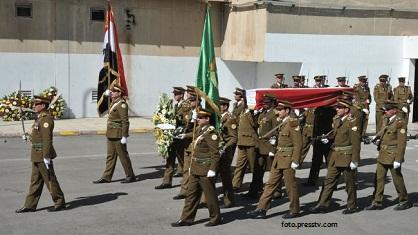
(362, 99)
(247, 143)
(341, 82)
(229, 134)
(181, 109)
(41, 156)
(240, 103)
(267, 120)
(403, 95)
(391, 141)
(307, 132)
(285, 162)
(279, 81)
(204, 162)
(344, 158)
(187, 137)
(382, 92)
(117, 134)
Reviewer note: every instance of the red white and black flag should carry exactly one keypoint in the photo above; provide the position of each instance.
(112, 71)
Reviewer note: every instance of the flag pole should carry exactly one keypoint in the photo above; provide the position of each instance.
(109, 65)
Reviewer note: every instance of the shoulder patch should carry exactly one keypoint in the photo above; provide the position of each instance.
(297, 128)
(46, 125)
(354, 128)
(233, 126)
(214, 137)
(123, 105)
(403, 131)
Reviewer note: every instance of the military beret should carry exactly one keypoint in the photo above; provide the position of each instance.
(239, 91)
(117, 88)
(389, 104)
(279, 75)
(342, 103)
(283, 104)
(362, 78)
(296, 78)
(341, 79)
(204, 113)
(223, 100)
(383, 77)
(37, 99)
(178, 90)
(401, 79)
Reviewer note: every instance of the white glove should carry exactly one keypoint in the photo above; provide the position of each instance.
(297, 112)
(221, 152)
(47, 162)
(408, 101)
(272, 141)
(211, 173)
(366, 111)
(24, 137)
(404, 109)
(294, 165)
(368, 101)
(106, 93)
(324, 140)
(396, 165)
(124, 140)
(256, 112)
(181, 136)
(194, 115)
(305, 109)
(353, 165)
(271, 154)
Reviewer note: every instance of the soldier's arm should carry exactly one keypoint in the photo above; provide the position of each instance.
(212, 140)
(296, 135)
(123, 112)
(232, 132)
(410, 96)
(355, 136)
(46, 126)
(401, 138)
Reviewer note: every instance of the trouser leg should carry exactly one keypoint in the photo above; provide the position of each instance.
(110, 161)
(381, 171)
(208, 188)
(191, 202)
(124, 158)
(399, 184)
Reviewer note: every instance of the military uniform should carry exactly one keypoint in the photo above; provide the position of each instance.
(42, 148)
(205, 158)
(239, 106)
(307, 132)
(362, 99)
(403, 95)
(381, 94)
(247, 143)
(345, 150)
(278, 84)
(391, 151)
(229, 137)
(341, 82)
(117, 127)
(289, 146)
(176, 150)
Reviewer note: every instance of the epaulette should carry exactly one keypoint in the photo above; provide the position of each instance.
(293, 122)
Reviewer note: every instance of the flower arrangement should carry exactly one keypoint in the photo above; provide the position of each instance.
(10, 107)
(58, 108)
(164, 123)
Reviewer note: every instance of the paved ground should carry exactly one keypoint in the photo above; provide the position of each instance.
(139, 209)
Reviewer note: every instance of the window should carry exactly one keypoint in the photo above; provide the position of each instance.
(24, 10)
(97, 14)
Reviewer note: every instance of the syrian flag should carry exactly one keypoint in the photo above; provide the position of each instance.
(112, 71)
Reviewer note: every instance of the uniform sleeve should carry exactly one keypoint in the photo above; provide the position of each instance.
(401, 134)
(46, 126)
(212, 140)
(232, 132)
(390, 92)
(123, 110)
(355, 137)
(410, 96)
(296, 136)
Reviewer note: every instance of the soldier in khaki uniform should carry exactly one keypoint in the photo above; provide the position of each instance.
(240, 103)
(341, 82)
(247, 143)
(41, 156)
(403, 95)
(181, 109)
(362, 99)
(229, 138)
(297, 81)
(279, 81)
(382, 92)
(187, 137)
(117, 134)
(204, 162)
(391, 141)
(286, 160)
(344, 158)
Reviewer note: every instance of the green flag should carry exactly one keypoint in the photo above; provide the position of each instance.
(207, 77)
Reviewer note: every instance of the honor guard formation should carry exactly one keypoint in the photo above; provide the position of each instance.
(275, 138)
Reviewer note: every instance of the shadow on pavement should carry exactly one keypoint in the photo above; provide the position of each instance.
(94, 200)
